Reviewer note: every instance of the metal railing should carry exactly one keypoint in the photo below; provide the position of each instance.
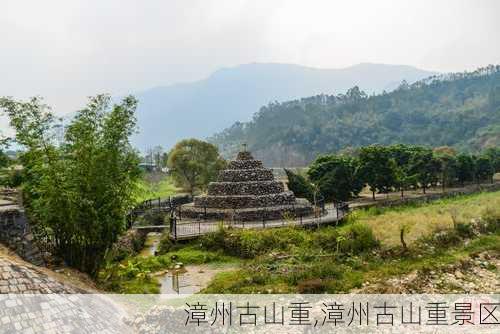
(180, 228)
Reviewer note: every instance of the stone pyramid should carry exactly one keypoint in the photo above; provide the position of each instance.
(246, 191)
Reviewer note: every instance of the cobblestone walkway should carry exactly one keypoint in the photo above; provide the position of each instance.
(23, 278)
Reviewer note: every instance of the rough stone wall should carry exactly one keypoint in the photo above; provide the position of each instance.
(245, 164)
(245, 188)
(249, 201)
(15, 233)
(240, 175)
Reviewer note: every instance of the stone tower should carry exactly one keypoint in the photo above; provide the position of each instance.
(246, 191)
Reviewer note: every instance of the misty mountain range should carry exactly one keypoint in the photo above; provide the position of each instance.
(202, 108)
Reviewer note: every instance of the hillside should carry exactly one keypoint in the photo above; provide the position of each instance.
(460, 110)
(199, 109)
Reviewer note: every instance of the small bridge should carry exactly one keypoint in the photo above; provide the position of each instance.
(180, 229)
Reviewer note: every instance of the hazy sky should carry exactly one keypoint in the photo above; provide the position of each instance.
(67, 50)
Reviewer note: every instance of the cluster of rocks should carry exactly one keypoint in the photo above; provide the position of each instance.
(246, 191)
(477, 274)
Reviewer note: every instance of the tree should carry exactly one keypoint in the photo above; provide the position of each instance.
(484, 169)
(464, 168)
(78, 193)
(194, 163)
(300, 186)
(4, 159)
(425, 167)
(402, 154)
(447, 164)
(377, 168)
(494, 154)
(337, 177)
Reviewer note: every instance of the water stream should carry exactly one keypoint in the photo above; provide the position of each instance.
(151, 244)
(173, 281)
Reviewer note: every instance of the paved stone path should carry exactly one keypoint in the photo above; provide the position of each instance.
(22, 278)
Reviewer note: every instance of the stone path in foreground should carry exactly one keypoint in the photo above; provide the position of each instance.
(23, 278)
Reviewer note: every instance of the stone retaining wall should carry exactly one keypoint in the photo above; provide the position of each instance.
(296, 210)
(240, 175)
(245, 188)
(250, 201)
(15, 233)
(245, 164)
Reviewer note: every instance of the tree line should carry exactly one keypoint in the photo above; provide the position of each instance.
(340, 177)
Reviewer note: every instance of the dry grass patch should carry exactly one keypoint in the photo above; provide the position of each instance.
(423, 220)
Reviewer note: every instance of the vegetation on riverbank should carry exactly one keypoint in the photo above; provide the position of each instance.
(367, 247)
(137, 274)
(310, 262)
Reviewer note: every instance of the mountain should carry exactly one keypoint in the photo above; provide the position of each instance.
(460, 110)
(199, 109)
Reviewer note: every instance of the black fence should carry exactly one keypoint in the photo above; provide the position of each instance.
(159, 205)
(181, 228)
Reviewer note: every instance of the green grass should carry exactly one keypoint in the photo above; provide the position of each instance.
(151, 189)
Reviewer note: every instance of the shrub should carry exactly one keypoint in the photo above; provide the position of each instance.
(464, 230)
(251, 243)
(15, 178)
(325, 238)
(127, 245)
(166, 244)
(358, 238)
(491, 217)
(215, 240)
(446, 238)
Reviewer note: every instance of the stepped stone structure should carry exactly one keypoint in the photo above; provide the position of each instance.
(246, 191)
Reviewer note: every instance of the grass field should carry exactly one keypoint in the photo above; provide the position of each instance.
(425, 219)
(153, 187)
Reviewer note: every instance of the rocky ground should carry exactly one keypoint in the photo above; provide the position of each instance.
(477, 274)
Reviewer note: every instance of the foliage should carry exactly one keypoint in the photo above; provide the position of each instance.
(136, 274)
(460, 110)
(80, 191)
(377, 168)
(194, 163)
(337, 177)
(300, 186)
(425, 167)
(358, 238)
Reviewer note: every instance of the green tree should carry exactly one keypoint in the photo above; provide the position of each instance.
(447, 165)
(337, 177)
(484, 169)
(78, 192)
(494, 154)
(425, 167)
(464, 168)
(300, 186)
(194, 163)
(377, 168)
